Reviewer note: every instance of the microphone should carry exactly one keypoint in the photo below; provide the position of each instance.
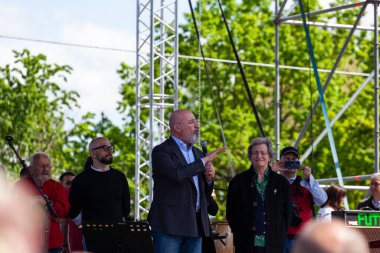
(9, 138)
(204, 147)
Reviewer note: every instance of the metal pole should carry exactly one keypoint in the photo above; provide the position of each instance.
(272, 65)
(326, 84)
(277, 83)
(335, 119)
(279, 12)
(329, 25)
(137, 123)
(345, 179)
(376, 79)
(337, 8)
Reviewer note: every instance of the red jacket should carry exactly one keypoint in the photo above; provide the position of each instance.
(303, 203)
(56, 194)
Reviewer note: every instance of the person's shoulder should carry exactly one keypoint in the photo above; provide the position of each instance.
(82, 174)
(163, 145)
(242, 175)
(53, 182)
(116, 172)
(277, 176)
(365, 202)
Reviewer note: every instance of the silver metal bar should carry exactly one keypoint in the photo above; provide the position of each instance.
(349, 187)
(278, 13)
(345, 179)
(273, 65)
(376, 87)
(331, 74)
(277, 86)
(335, 119)
(337, 8)
(329, 25)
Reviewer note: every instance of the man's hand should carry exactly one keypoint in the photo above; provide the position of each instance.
(306, 172)
(212, 155)
(277, 166)
(209, 171)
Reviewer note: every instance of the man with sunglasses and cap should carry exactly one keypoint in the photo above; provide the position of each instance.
(305, 191)
(100, 193)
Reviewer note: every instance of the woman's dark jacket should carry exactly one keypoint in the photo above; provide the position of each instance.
(241, 205)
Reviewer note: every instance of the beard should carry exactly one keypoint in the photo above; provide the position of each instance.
(106, 160)
(41, 179)
(193, 138)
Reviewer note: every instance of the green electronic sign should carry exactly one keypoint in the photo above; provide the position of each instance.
(368, 219)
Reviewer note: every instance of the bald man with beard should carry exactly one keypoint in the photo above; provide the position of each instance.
(100, 192)
(182, 175)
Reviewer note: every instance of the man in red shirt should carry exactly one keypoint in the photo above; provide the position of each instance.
(40, 168)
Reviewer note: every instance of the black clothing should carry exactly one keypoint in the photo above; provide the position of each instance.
(366, 204)
(101, 196)
(208, 244)
(242, 206)
(173, 210)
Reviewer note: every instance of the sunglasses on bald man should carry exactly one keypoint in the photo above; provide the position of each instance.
(105, 148)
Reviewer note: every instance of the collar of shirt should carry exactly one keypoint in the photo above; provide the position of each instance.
(292, 179)
(92, 167)
(256, 176)
(182, 145)
(375, 203)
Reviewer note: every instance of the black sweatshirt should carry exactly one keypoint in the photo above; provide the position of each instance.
(101, 196)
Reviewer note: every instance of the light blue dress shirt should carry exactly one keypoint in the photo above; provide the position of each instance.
(189, 156)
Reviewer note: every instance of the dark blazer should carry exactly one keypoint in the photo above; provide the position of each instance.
(366, 204)
(173, 210)
(241, 199)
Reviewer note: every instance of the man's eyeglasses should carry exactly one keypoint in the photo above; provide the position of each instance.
(105, 148)
(190, 122)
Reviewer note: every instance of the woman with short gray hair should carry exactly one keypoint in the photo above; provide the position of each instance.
(259, 204)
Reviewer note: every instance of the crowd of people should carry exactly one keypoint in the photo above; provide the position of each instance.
(270, 207)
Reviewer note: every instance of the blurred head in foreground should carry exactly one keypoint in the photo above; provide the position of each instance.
(335, 237)
(20, 224)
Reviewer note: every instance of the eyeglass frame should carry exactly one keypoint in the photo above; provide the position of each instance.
(258, 153)
(190, 122)
(105, 148)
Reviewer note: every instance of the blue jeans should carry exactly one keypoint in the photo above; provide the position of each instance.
(288, 245)
(165, 243)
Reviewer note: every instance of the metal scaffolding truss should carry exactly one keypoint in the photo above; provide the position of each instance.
(156, 88)
(281, 19)
(156, 72)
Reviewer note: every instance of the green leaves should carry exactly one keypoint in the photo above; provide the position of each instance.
(32, 105)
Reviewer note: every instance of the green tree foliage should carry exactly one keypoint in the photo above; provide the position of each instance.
(32, 107)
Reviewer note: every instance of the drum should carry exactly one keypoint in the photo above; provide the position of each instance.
(222, 237)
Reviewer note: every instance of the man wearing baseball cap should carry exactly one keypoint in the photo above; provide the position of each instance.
(305, 190)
